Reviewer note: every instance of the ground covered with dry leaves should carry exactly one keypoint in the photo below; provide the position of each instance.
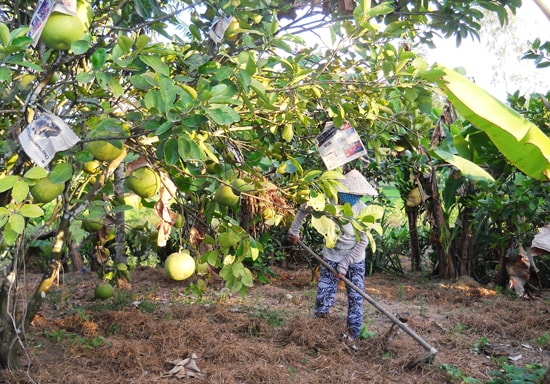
(158, 331)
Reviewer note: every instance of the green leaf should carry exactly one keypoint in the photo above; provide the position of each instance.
(31, 211)
(519, 140)
(5, 74)
(98, 58)
(61, 173)
(80, 47)
(36, 173)
(167, 91)
(85, 77)
(4, 35)
(238, 269)
(171, 151)
(17, 223)
(9, 235)
(125, 43)
(228, 239)
(157, 64)
(223, 94)
(20, 191)
(188, 149)
(287, 133)
(468, 169)
(4, 216)
(7, 182)
(247, 279)
(223, 114)
(327, 228)
(211, 257)
(116, 87)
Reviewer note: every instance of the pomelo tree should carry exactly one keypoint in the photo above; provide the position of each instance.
(152, 85)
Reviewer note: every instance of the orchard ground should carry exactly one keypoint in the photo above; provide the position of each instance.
(270, 336)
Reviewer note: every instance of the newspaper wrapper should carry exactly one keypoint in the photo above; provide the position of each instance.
(217, 31)
(339, 146)
(43, 10)
(46, 135)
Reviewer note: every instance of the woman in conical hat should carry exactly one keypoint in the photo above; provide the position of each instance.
(347, 257)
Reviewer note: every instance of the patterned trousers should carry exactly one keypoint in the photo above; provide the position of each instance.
(326, 292)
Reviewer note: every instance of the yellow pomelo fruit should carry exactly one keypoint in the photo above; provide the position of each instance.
(224, 195)
(61, 30)
(414, 198)
(92, 167)
(241, 185)
(45, 190)
(144, 182)
(179, 265)
(105, 150)
(103, 291)
(232, 30)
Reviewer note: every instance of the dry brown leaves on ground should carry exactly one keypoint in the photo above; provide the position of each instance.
(156, 331)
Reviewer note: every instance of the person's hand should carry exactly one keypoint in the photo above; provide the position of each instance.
(339, 276)
(293, 238)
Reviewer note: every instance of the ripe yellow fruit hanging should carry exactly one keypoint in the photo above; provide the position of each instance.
(144, 182)
(179, 265)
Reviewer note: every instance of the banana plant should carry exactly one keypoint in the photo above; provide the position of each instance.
(519, 140)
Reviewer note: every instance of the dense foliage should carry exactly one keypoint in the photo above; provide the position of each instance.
(153, 81)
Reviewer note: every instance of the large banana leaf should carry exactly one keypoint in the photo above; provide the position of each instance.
(468, 169)
(521, 141)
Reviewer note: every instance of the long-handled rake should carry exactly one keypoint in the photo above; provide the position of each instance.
(430, 351)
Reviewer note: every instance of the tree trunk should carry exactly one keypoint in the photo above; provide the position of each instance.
(8, 338)
(440, 232)
(466, 246)
(412, 216)
(120, 232)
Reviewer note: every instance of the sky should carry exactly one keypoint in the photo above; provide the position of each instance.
(500, 77)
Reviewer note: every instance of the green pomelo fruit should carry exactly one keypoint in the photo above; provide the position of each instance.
(242, 186)
(179, 266)
(213, 168)
(103, 291)
(105, 150)
(92, 225)
(61, 30)
(45, 190)
(179, 221)
(224, 195)
(144, 182)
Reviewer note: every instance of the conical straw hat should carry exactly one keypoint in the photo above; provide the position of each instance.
(356, 184)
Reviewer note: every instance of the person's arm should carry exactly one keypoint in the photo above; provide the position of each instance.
(294, 231)
(356, 254)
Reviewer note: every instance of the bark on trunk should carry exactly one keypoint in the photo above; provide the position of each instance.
(440, 231)
(466, 245)
(412, 216)
(8, 339)
(120, 233)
